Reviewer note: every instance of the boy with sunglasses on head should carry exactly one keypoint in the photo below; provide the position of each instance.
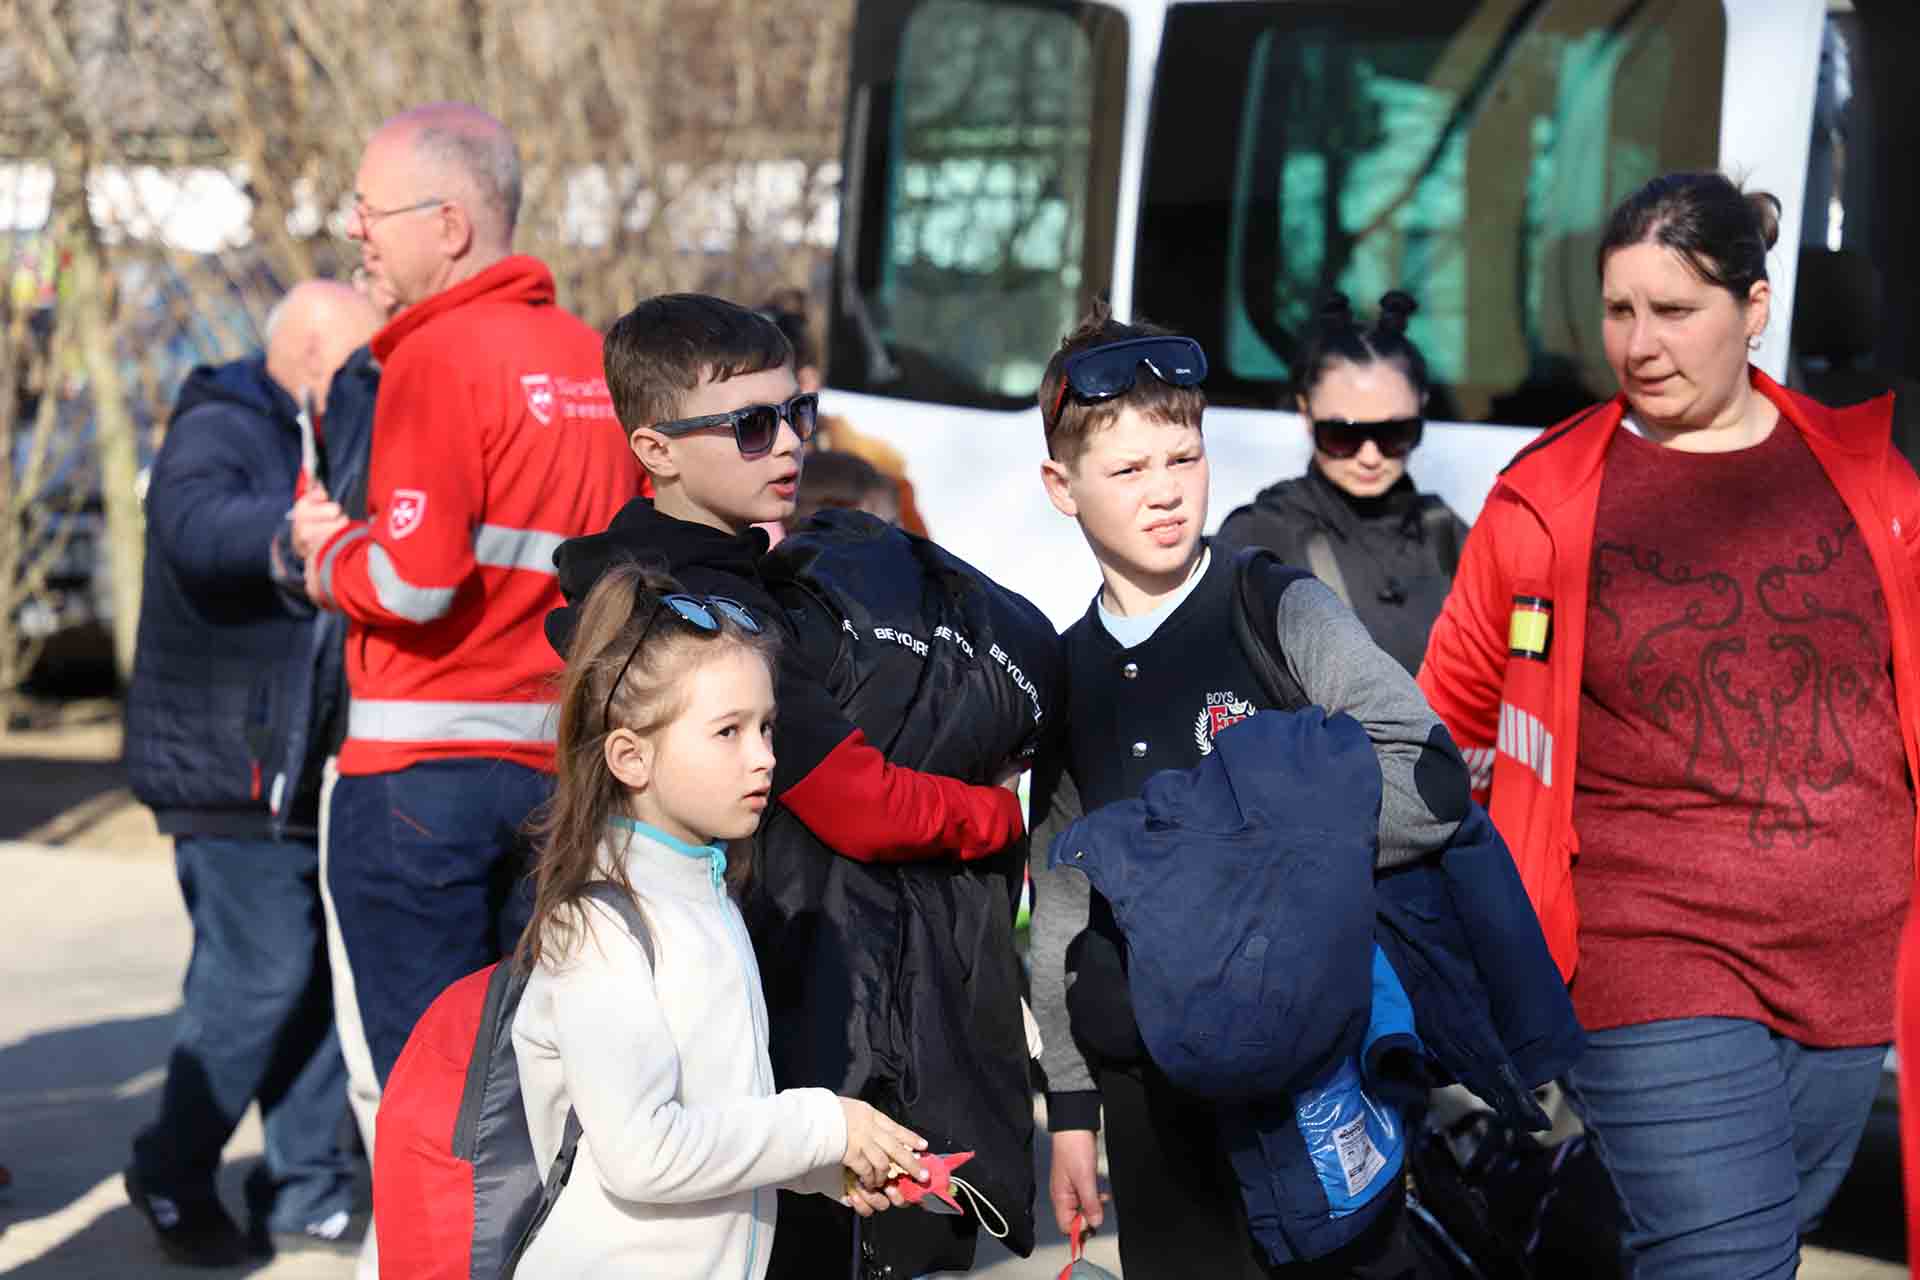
(707, 393)
(1154, 671)
(1355, 520)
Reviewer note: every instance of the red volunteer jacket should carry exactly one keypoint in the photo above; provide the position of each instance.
(494, 440)
(1503, 664)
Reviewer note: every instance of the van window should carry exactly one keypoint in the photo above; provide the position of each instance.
(1468, 153)
(983, 144)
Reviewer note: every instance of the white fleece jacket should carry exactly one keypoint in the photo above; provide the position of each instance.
(684, 1138)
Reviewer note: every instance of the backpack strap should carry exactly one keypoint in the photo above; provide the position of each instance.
(1259, 578)
(561, 1169)
(1442, 532)
(1325, 567)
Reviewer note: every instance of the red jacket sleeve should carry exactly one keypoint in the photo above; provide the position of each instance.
(873, 811)
(426, 486)
(1466, 663)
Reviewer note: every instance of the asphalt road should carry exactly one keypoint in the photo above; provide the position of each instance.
(93, 944)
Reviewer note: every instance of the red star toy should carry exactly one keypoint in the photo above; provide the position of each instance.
(939, 1183)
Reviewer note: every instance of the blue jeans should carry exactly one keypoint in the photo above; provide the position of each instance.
(427, 870)
(1725, 1141)
(256, 1022)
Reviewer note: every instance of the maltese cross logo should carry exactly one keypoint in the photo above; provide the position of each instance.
(539, 389)
(408, 509)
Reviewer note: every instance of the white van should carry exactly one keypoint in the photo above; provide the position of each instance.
(1215, 166)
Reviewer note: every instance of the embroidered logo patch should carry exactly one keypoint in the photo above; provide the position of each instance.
(539, 389)
(405, 512)
(1222, 710)
(1530, 627)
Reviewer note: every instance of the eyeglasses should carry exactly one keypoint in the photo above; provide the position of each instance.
(755, 426)
(368, 215)
(1339, 438)
(697, 612)
(1101, 373)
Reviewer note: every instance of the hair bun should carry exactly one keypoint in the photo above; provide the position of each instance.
(1396, 308)
(1335, 310)
(1766, 215)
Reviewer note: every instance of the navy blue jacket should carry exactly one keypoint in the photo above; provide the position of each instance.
(208, 706)
(1488, 999)
(317, 689)
(1243, 887)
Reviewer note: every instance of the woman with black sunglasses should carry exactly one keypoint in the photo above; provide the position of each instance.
(1355, 520)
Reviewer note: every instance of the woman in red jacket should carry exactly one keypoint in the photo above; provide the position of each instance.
(1680, 651)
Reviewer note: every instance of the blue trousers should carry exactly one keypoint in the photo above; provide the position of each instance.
(427, 870)
(1725, 1141)
(256, 1022)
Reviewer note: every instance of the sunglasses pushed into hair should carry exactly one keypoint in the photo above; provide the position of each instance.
(1340, 438)
(702, 613)
(755, 426)
(1103, 372)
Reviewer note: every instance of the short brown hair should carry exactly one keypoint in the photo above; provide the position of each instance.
(839, 480)
(1069, 431)
(668, 345)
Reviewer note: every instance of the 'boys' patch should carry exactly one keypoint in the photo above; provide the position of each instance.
(1530, 627)
(1222, 710)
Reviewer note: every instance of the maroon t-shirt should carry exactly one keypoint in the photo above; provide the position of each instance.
(1741, 794)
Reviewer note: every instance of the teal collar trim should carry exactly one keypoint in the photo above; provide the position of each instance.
(716, 855)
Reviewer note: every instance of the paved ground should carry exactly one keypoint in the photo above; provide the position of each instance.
(93, 942)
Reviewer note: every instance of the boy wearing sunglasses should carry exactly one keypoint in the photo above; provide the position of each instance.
(706, 392)
(1154, 671)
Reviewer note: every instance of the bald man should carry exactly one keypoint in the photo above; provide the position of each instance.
(494, 439)
(207, 708)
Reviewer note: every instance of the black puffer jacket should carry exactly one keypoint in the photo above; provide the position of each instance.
(213, 671)
(1395, 554)
(900, 984)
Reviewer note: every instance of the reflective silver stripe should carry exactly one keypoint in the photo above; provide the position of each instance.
(502, 546)
(1479, 766)
(395, 720)
(333, 553)
(398, 596)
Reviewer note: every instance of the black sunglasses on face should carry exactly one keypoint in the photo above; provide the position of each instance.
(697, 612)
(1101, 373)
(1339, 438)
(755, 426)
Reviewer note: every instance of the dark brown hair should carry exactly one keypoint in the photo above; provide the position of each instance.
(1069, 432)
(1720, 231)
(670, 344)
(842, 480)
(570, 828)
(1338, 336)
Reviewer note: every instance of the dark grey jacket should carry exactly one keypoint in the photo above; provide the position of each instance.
(1393, 556)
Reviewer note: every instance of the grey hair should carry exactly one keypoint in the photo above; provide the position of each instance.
(488, 157)
(275, 314)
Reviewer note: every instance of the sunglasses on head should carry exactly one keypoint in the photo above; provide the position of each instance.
(755, 426)
(1101, 373)
(702, 613)
(1339, 438)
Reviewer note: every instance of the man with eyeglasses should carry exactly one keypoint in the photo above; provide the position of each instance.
(493, 441)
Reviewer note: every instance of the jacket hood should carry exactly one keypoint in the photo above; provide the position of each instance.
(518, 279)
(641, 533)
(244, 383)
(1567, 457)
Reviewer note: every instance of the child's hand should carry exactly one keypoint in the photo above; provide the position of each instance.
(867, 1203)
(877, 1148)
